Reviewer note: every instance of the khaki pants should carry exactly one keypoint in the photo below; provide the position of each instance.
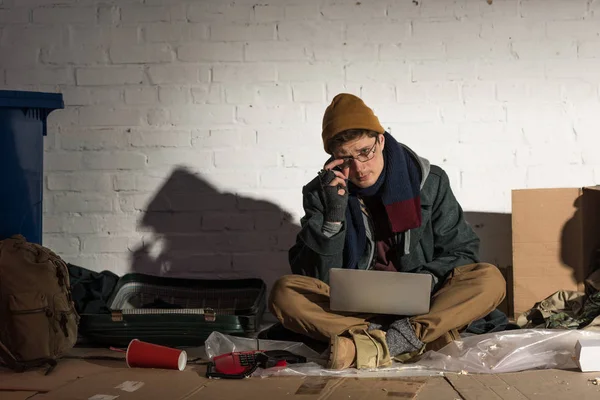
(470, 292)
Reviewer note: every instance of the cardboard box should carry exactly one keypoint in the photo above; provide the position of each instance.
(555, 233)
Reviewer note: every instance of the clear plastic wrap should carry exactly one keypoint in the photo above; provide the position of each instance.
(509, 351)
(492, 353)
(218, 343)
(312, 369)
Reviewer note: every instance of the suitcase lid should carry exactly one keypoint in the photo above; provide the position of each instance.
(140, 294)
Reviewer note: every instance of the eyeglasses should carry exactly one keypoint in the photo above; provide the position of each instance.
(363, 156)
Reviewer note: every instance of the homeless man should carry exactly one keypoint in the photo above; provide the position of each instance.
(378, 205)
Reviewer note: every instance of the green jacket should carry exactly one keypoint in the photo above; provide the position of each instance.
(442, 242)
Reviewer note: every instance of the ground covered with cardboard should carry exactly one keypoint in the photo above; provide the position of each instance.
(98, 374)
(109, 380)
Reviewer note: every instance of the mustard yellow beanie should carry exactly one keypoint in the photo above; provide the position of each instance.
(347, 111)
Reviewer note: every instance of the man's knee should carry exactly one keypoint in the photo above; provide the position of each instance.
(284, 291)
(291, 292)
(280, 293)
(492, 281)
(281, 288)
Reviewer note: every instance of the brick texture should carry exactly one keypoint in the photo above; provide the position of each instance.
(191, 126)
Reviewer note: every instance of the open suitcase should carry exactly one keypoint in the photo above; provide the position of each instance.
(175, 311)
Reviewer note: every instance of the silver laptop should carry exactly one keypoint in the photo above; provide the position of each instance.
(379, 292)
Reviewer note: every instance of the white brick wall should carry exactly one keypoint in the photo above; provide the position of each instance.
(191, 125)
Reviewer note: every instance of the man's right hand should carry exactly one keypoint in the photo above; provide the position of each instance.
(335, 191)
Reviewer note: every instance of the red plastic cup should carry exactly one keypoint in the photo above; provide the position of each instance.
(147, 355)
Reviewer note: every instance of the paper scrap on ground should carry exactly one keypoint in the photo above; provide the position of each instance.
(130, 386)
(103, 397)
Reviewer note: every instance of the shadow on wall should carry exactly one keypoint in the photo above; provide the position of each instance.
(571, 246)
(199, 232)
(578, 251)
(495, 232)
(580, 242)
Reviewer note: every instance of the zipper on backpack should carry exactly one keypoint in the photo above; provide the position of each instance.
(34, 311)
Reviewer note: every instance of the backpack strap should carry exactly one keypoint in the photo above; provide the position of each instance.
(9, 359)
(11, 362)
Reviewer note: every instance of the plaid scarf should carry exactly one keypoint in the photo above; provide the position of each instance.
(398, 187)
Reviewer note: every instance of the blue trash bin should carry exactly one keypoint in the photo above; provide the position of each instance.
(22, 129)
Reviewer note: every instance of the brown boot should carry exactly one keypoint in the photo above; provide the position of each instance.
(371, 348)
(342, 353)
